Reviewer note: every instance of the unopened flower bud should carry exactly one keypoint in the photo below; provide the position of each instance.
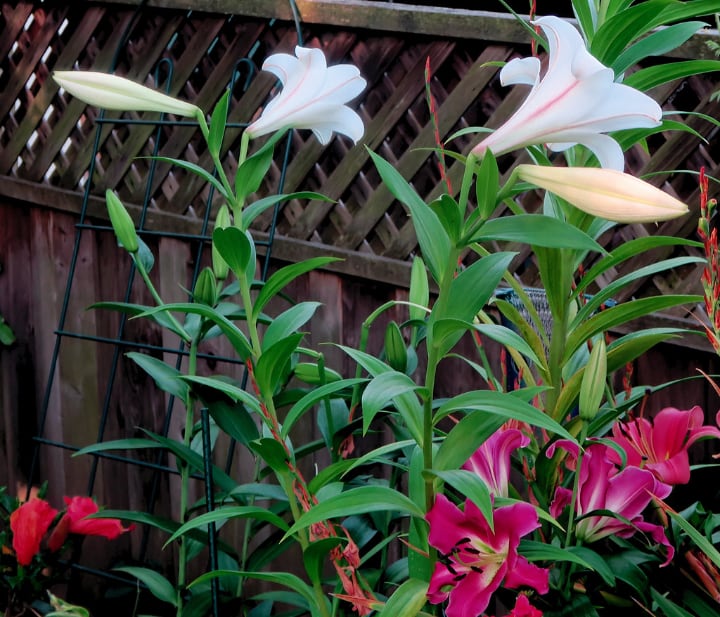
(220, 267)
(121, 222)
(120, 94)
(610, 194)
(592, 386)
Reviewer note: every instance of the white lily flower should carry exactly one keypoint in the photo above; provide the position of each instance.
(121, 94)
(608, 193)
(574, 103)
(314, 96)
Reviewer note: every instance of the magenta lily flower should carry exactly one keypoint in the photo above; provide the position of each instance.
(475, 559)
(660, 444)
(601, 486)
(491, 461)
(575, 102)
(314, 96)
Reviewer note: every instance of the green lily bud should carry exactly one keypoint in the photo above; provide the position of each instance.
(220, 267)
(592, 387)
(310, 374)
(121, 222)
(395, 350)
(205, 291)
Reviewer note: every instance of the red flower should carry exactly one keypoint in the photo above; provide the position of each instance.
(523, 608)
(661, 444)
(78, 508)
(476, 559)
(29, 524)
(75, 521)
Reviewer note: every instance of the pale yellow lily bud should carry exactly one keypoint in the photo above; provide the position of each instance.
(607, 193)
(120, 94)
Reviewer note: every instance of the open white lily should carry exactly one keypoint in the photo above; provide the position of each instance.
(314, 96)
(575, 102)
(608, 193)
(120, 94)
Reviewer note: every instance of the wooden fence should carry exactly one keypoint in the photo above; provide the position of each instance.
(47, 141)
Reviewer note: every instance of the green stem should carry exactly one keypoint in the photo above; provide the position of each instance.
(158, 300)
(216, 161)
(185, 479)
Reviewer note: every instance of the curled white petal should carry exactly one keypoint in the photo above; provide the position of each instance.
(574, 102)
(314, 96)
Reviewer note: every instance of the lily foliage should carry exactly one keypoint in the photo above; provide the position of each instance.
(521, 492)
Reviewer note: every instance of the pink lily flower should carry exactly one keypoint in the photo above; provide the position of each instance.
(574, 103)
(314, 96)
(660, 444)
(475, 560)
(491, 461)
(602, 487)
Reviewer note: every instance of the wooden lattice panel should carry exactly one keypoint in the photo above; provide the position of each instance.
(49, 137)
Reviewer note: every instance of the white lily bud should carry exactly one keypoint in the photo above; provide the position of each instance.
(607, 193)
(120, 94)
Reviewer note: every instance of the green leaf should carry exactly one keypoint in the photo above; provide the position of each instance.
(359, 500)
(699, 539)
(594, 381)
(464, 438)
(7, 336)
(255, 209)
(312, 398)
(228, 513)
(447, 211)
(381, 390)
(280, 578)
(432, 238)
(167, 378)
(274, 363)
(315, 554)
(625, 251)
(137, 310)
(474, 286)
(132, 443)
(667, 606)
(537, 230)
(508, 338)
(395, 350)
(199, 171)
(407, 600)
(234, 420)
(419, 293)
(652, 76)
(285, 275)
(613, 36)
(487, 186)
(273, 453)
(156, 583)
(489, 409)
(219, 383)
(656, 44)
(217, 124)
(288, 322)
(252, 170)
(608, 291)
(235, 336)
(468, 293)
(144, 257)
(620, 314)
(471, 486)
(236, 248)
(587, 558)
